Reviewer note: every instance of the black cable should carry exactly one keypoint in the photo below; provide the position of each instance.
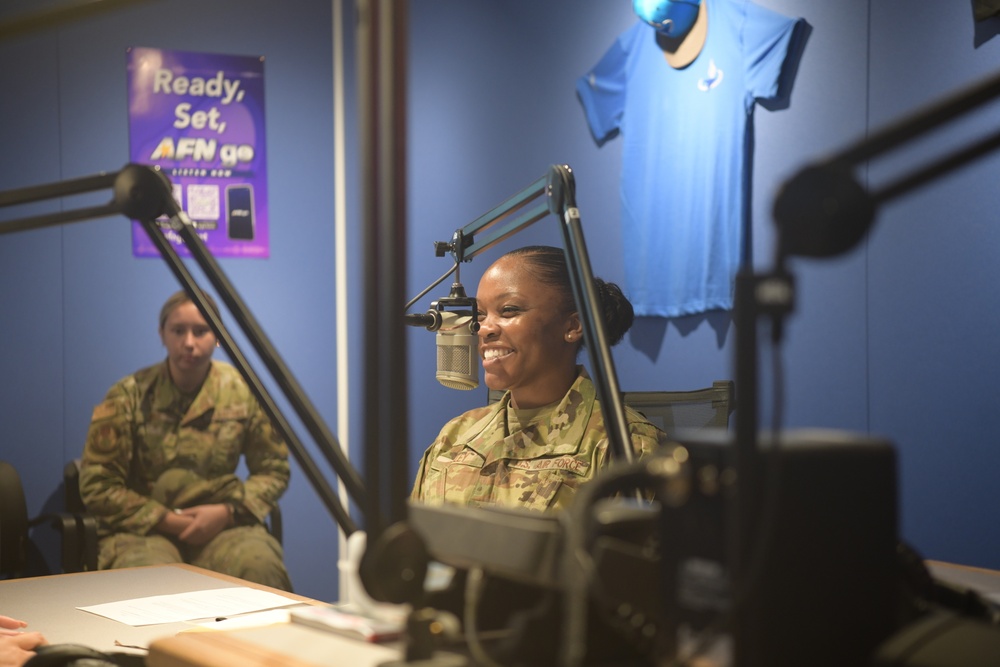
(434, 284)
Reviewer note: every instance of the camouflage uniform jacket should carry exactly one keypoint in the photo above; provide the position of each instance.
(476, 461)
(141, 436)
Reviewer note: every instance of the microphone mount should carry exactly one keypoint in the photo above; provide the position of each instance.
(460, 241)
(457, 299)
(433, 319)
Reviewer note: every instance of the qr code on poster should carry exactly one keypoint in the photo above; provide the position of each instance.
(203, 202)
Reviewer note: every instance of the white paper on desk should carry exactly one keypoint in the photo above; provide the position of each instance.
(212, 603)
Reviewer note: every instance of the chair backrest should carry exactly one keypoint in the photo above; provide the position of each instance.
(19, 555)
(13, 521)
(71, 487)
(695, 409)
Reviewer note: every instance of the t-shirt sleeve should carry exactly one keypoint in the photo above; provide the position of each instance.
(767, 41)
(601, 91)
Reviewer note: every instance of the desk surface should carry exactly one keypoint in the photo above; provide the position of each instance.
(985, 582)
(49, 604)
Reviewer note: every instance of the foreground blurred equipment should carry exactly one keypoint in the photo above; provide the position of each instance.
(77, 532)
(824, 211)
(77, 655)
(820, 570)
(629, 584)
(942, 638)
(618, 583)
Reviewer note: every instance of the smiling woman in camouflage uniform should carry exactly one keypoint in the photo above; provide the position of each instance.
(159, 465)
(546, 436)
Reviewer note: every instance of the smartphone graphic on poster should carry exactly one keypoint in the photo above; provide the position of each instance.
(239, 212)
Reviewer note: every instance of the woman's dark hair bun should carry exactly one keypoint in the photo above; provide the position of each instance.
(617, 310)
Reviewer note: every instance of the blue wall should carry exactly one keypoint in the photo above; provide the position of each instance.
(894, 338)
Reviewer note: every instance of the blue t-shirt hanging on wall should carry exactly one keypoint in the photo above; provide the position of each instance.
(685, 174)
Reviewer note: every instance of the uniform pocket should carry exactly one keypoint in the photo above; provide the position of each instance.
(539, 484)
(226, 437)
(458, 483)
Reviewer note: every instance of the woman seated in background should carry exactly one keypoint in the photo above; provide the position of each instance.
(546, 436)
(159, 465)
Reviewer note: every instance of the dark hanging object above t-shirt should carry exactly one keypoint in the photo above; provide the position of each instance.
(984, 9)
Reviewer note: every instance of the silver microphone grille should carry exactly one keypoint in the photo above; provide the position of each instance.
(457, 361)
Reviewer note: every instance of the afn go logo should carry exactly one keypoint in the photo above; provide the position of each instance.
(202, 150)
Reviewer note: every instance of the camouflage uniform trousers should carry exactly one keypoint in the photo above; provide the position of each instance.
(247, 552)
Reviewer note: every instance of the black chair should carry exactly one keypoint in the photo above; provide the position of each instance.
(74, 503)
(15, 527)
(694, 409)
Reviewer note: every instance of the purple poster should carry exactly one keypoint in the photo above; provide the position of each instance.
(200, 118)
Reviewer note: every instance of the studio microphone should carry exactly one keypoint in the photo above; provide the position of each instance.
(457, 345)
(457, 351)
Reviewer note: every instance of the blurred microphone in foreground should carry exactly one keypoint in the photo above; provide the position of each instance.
(457, 342)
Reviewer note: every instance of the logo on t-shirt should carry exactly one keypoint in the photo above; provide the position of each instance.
(713, 79)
